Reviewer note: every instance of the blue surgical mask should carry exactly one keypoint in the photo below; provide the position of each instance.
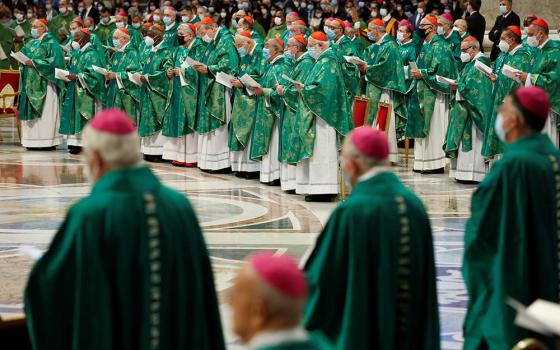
(245, 5)
(234, 22)
(312, 52)
(167, 20)
(330, 33)
(242, 51)
(266, 53)
(499, 128)
(34, 33)
(371, 37)
(117, 44)
(290, 35)
(290, 55)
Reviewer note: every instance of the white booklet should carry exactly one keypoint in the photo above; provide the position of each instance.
(510, 72)
(484, 69)
(2, 54)
(413, 65)
(182, 80)
(20, 57)
(541, 316)
(99, 70)
(192, 62)
(135, 78)
(445, 80)
(285, 77)
(248, 81)
(61, 74)
(355, 60)
(19, 31)
(224, 79)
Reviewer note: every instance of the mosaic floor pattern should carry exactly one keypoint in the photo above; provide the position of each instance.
(237, 216)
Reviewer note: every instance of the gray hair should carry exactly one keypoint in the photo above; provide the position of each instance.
(472, 44)
(118, 151)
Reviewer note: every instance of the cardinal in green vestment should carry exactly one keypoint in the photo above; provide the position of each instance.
(267, 300)
(121, 92)
(517, 57)
(545, 72)
(62, 20)
(121, 21)
(84, 92)
(512, 236)
(371, 275)
(384, 76)
(128, 268)
(171, 25)
(290, 142)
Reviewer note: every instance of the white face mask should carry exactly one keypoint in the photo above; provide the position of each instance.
(461, 33)
(120, 24)
(62, 10)
(420, 10)
(136, 25)
(29, 15)
(149, 41)
(383, 12)
(503, 46)
(206, 38)
(503, 9)
(75, 45)
(157, 18)
(499, 127)
(19, 16)
(223, 14)
(184, 19)
(465, 57)
(277, 21)
(440, 30)
(532, 41)
(400, 37)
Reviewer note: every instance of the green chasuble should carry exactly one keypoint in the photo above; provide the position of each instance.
(46, 55)
(534, 51)
(546, 73)
(244, 105)
(408, 54)
(170, 36)
(358, 45)
(155, 98)
(314, 342)
(321, 98)
(371, 276)
(519, 58)
(511, 242)
(221, 56)
(257, 37)
(385, 72)
(26, 27)
(7, 43)
(271, 107)
(476, 91)
(259, 29)
(121, 92)
(454, 42)
(81, 95)
(128, 269)
(103, 31)
(345, 47)
(60, 21)
(289, 133)
(435, 59)
(180, 117)
(276, 31)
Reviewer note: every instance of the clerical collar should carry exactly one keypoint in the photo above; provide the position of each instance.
(273, 338)
(387, 18)
(381, 40)
(543, 44)
(252, 50)
(85, 47)
(300, 57)
(478, 55)
(507, 14)
(342, 36)
(406, 42)
(373, 172)
(124, 46)
(512, 52)
(447, 36)
(323, 53)
(168, 27)
(42, 36)
(191, 44)
(216, 35)
(22, 21)
(155, 48)
(276, 59)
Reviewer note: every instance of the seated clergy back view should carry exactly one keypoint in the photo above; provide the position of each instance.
(128, 268)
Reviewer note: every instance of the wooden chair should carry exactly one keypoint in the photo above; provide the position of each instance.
(9, 92)
(530, 344)
(384, 111)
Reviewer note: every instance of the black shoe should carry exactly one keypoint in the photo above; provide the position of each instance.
(152, 158)
(239, 174)
(252, 175)
(272, 183)
(433, 171)
(41, 148)
(467, 182)
(417, 171)
(74, 149)
(290, 192)
(221, 171)
(320, 197)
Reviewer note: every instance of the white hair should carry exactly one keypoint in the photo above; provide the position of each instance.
(185, 27)
(118, 151)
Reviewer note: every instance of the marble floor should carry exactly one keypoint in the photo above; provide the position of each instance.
(238, 217)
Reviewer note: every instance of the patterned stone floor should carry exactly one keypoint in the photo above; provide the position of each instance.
(237, 216)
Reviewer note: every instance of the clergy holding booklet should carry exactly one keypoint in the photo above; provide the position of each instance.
(128, 268)
(39, 110)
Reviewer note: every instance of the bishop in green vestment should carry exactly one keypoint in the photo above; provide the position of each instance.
(105, 27)
(128, 268)
(512, 236)
(545, 72)
(322, 121)
(245, 103)
(221, 56)
(39, 91)
(468, 116)
(62, 20)
(6, 44)
(451, 37)
(371, 275)
(171, 25)
(519, 58)
(157, 88)
(179, 124)
(84, 92)
(277, 30)
(408, 54)
(21, 27)
(267, 299)
(121, 92)
(290, 142)
(429, 127)
(384, 75)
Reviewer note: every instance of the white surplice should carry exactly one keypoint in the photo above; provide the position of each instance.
(319, 173)
(270, 165)
(213, 147)
(241, 160)
(287, 177)
(387, 97)
(182, 149)
(428, 151)
(551, 129)
(43, 132)
(471, 165)
(152, 145)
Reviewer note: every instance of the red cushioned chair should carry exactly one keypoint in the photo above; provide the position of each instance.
(9, 92)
